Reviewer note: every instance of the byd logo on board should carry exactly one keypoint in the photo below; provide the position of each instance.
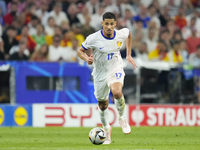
(154, 115)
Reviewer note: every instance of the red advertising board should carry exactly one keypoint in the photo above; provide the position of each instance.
(164, 115)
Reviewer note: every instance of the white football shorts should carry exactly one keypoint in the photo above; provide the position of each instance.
(102, 88)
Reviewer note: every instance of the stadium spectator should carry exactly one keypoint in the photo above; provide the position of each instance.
(57, 13)
(76, 28)
(55, 50)
(19, 55)
(67, 40)
(171, 27)
(49, 28)
(127, 19)
(41, 55)
(109, 6)
(180, 19)
(20, 5)
(122, 6)
(32, 25)
(194, 58)
(30, 41)
(29, 12)
(177, 37)
(195, 14)
(175, 54)
(153, 16)
(173, 9)
(86, 28)
(9, 40)
(16, 48)
(187, 6)
(193, 41)
(186, 31)
(136, 6)
(71, 52)
(93, 6)
(142, 52)
(81, 16)
(8, 18)
(137, 40)
(42, 13)
(72, 14)
(156, 5)
(65, 26)
(39, 37)
(184, 53)
(138, 26)
(142, 16)
(160, 53)
(164, 16)
(95, 23)
(164, 36)
(57, 31)
(151, 40)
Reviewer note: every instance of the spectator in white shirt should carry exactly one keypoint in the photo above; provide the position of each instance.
(153, 16)
(186, 31)
(32, 25)
(93, 6)
(97, 18)
(81, 16)
(55, 50)
(194, 58)
(49, 28)
(42, 13)
(70, 54)
(151, 40)
(57, 13)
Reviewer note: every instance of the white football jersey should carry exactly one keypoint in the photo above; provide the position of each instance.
(106, 52)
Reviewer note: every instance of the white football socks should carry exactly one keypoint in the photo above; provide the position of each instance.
(120, 105)
(104, 119)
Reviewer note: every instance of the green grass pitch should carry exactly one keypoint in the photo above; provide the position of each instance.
(60, 138)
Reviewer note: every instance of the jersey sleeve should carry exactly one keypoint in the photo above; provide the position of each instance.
(87, 43)
(125, 33)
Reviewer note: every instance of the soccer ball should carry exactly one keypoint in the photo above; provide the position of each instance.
(97, 136)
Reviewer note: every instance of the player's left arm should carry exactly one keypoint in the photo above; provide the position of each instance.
(128, 51)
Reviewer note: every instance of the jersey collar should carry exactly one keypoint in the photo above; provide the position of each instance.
(108, 38)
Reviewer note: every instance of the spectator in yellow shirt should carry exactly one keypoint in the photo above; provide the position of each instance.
(175, 53)
(160, 53)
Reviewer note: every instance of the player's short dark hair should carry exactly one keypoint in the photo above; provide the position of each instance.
(109, 15)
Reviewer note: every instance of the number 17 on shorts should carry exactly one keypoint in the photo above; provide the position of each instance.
(118, 75)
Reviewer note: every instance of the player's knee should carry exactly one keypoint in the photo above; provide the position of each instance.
(117, 94)
(103, 106)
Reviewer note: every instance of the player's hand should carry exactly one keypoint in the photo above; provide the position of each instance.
(130, 60)
(90, 59)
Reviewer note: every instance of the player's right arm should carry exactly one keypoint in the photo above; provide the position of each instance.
(88, 58)
(85, 51)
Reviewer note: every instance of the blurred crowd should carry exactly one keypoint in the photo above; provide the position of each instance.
(48, 30)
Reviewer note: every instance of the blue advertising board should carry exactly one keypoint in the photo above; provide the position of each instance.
(17, 115)
(72, 71)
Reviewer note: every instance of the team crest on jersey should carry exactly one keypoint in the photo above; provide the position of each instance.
(119, 43)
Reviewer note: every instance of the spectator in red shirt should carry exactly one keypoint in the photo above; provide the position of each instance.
(180, 20)
(30, 41)
(193, 41)
(8, 18)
